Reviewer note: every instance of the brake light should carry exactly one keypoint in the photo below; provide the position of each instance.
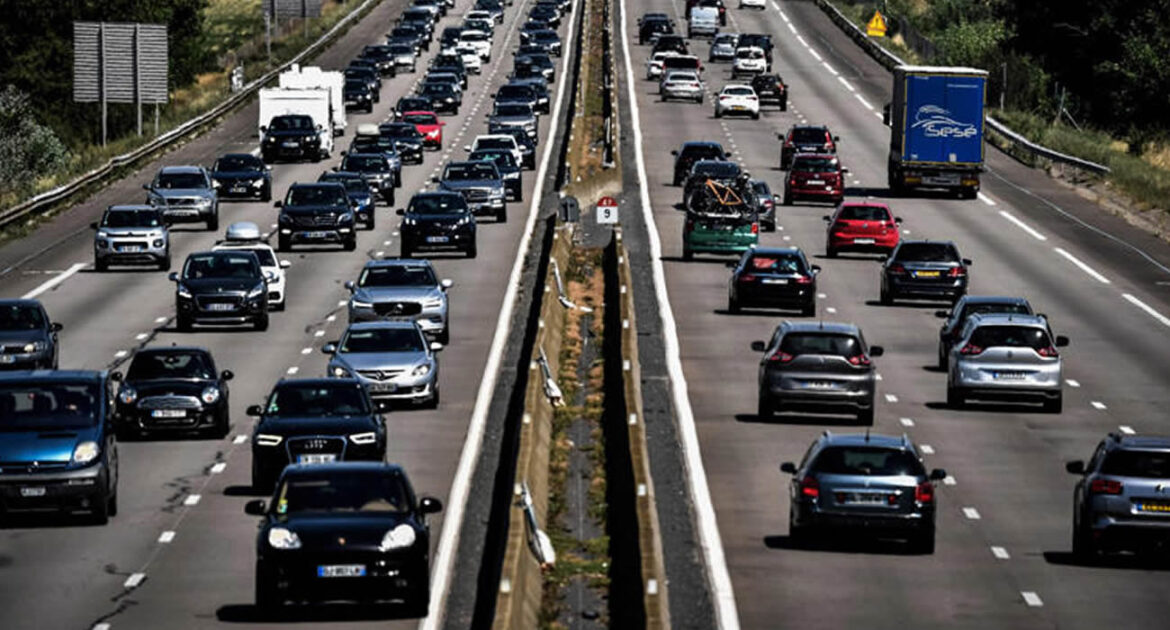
(781, 357)
(804, 279)
(751, 98)
(1105, 486)
(1048, 352)
(809, 488)
(924, 492)
(747, 277)
(755, 228)
(897, 268)
(956, 272)
(859, 359)
(970, 349)
(723, 97)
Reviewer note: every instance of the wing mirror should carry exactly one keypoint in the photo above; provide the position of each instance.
(788, 467)
(826, 218)
(256, 507)
(759, 346)
(227, 375)
(436, 346)
(93, 226)
(329, 348)
(429, 505)
(876, 351)
(116, 377)
(277, 204)
(284, 264)
(446, 283)
(400, 212)
(467, 147)
(836, 138)
(942, 314)
(815, 269)
(898, 220)
(146, 187)
(1075, 467)
(173, 276)
(1061, 341)
(56, 327)
(255, 411)
(938, 474)
(263, 128)
(350, 285)
(967, 261)
(674, 153)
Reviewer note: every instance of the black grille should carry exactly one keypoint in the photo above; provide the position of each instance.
(317, 220)
(170, 402)
(397, 308)
(206, 301)
(301, 446)
(380, 375)
(29, 467)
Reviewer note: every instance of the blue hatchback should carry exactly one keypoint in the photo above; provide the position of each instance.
(57, 448)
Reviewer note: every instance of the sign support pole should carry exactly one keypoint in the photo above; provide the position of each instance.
(102, 76)
(138, 77)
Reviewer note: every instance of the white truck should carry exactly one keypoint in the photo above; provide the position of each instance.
(294, 124)
(308, 77)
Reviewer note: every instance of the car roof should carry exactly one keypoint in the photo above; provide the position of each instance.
(829, 327)
(802, 127)
(398, 262)
(406, 323)
(1144, 442)
(361, 155)
(333, 176)
(129, 207)
(317, 381)
(777, 251)
(924, 241)
(53, 376)
(1008, 319)
(237, 155)
(414, 112)
(900, 442)
(994, 299)
(166, 349)
(703, 144)
(340, 468)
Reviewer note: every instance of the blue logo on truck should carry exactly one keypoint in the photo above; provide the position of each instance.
(936, 122)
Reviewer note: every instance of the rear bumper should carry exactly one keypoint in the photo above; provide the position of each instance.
(808, 515)
(902, 287)
(784, 296)
(848, 242)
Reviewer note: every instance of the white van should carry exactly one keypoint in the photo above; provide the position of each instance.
(704, 22)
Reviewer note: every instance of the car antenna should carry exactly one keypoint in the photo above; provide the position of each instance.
(867, 435)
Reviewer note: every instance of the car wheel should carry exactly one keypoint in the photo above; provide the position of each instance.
(502, 214)
(283, 244)
(100, 265)
(764, 406)
(922, 543)
(261, 323)
(787, 199)
(755, 115)
(419, 603)
(886, 299)
(1054, 405)
(810, 309)
(955, 398)
(1083, 545)
(222, 426)
(687, 254)
(732, 305)
(213, 223)
(267, 595)
(350, 244)
(471, 251)
(942, 356)
(372, 220)
(801, 536)
(261, 480)
(770, 226)
(112, 504)
(865, 416)
(183, 324)
(830, 252)
(433, 403)
(101, 508)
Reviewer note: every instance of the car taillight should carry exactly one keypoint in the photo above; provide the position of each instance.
(723, 97)
(1105, 486)
(804, 279)
(1048, 352)
(924, 492)
(897, 268)
(810, 488)
(747, 277)
(956, 272)
(970, 349)
(781, 357)
(755, 228)
(859, 359)
(751, 98)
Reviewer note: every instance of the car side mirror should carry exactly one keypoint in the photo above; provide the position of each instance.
(759, 346)
(844, 170)
(727, 154)
(788, 467)
(967, 261)
(731, 265)
(284, 264)
(436, 346)
(350, 285)
(146, 187)
(173, 276)
(329, 348)
(942, 314)
(435, 178)
(256, 507)
(429, 505)
(938, 474)
(56, 327)
(400, 212)
(1075, 467)
(826, 218)
(836, 138)
(1061, 341)
(674, 153)
(278, 204)
(93, 226)
(777, 199)
(446, 283)
(1044, 315)
(254, 410)
(263, 128)
(898, 220)
(815, 269)
(116, 377)
(227, 375)
(876, 351)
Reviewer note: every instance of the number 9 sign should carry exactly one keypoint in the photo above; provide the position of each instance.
(607, 210)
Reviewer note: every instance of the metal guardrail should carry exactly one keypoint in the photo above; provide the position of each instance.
(50, 198)
(889, 60)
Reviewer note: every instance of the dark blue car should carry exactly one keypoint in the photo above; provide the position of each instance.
(57, 447)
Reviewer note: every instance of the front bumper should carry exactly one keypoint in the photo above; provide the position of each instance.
(27, 360)
(241, 188)
(131, 251)
(391, 575)
(137, 418)
(438, 239)
(317, 236)
(56, 491)
(246, 311)
(404, 388)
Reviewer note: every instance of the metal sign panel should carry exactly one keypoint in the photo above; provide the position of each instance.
(294, 8)
(120, 59)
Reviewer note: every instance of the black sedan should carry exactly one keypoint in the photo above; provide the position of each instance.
(173, 389)
(28, 338)
(924, 270)
(351, 531)
(314, 421)
(407, 139)
(437, 221)
(411, 104)
(242, 175)
(773, 277)
(444, 97)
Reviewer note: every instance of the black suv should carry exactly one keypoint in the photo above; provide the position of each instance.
(380, 54)
(314, 421)
(242, 175)
(293, 136)
(692, 152)
(220, 287)
(316, 213)
(671, 42)
(924, 270)
(771, 90)
(377, 169)
(444, 97)
(358, 95)
(361, 195)
(648, 29)
(408, 139)
(173, 389)
(28, 338)
(411, 103)
(438, 221)
(367, 75)
(773, 277)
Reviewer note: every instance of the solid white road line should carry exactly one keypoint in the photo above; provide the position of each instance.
(864, 102)
(1147, 308)
(1085, 268)
(1023, 226)
(1032, 599)
(443, 566)
(726, 614)
(1001, 553)
(847, 85)
(49, 285)
(1126, 429)
(985, 199)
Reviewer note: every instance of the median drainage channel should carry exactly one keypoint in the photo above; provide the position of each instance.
(582, 549)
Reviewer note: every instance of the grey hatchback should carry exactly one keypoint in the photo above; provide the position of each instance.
(875, 483)
(817, 366)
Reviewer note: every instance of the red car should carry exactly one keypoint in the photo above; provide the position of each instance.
(862, 226)
(429, 125)
(816, 177)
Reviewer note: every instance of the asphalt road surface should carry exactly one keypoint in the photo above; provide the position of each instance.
(1004, 524)
(180, 552)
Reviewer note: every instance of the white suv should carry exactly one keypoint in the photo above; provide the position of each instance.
(737, 99)
(497, 141)
(1006, 356)
(247, 237)
(749, 60)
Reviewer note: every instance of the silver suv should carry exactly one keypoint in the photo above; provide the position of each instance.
(817, 366)
(874, 483)
(185, 194)
(131, 235)
(1000, 356)
(401, 288)
(1122, 501)
(392, 359)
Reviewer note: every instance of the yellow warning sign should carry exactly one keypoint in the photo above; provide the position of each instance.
(877, 25)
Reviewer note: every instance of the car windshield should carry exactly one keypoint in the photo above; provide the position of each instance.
(868, 461)
(401, 49)
(229, 163)
(221, 265)
(749, 54)
(676, 61)
(807, 136)
(21, 317)
(319, 195)
(401, 130)
(364, 163)
(382, 340)
(708, 152)
(356, 85)
(291, 123)
(514, 91)
(1145, 464)
(342, 399)
(498, 157)
(374, 144)
(412, 104)
(148, 366)
(379, 492)
(513, 109)
(438, 204)
(816, 165)
(397, 276)
(1010, 337)
(474, 36)
(719, 170)
(830, 344)
(421, 119)
(864, 213)
(546, 36)
(48, 406)
(926, 252)
(132, 218)
(363, 74)
(354, 185)
(495, 143)
(437, 88)
(775, 263)
(469, 171)
(178, 181)
(682, 76)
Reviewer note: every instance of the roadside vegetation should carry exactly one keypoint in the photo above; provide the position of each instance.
(588, 176)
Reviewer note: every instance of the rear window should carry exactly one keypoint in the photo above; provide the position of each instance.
(681, 62)
(1010, 337)
(864, 213)
(816, 165)
(776, 263)
(1014, 309)
(821, 343)
(807, 136)
(867, 460)
(927, 252)
(1148, 464)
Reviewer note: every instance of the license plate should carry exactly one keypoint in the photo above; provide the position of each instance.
(1152, 507)
(815, 182)
(819, 385)
(316, 458)
(129, 249)
(1010, 376)
(183, 213)
(314, 234)
(239, 189)
(926, 274)
(383, 387)
(221, 307)
(863, 241)
(738, 108)
(858, 498)
(437, 239)
(775, 281)
(168, 413)
(32, 491)
(341, 570)
(290, 145)
(941, 180)
(7, 358)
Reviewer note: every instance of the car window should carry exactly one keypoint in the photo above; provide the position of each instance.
(832, 344)
(397, 276)
(716, 169)
(401, 130)
(317, 400)
(48, 406)
(421, 119)
(1013, 308)
(495, 143)
(808, 164)
(927, 252)
(221, 266)
(807, 136)
(775, 263)
(739, 91)
(160, 365)
(438, 204)
(21, 317)
(364, 163)
(132, 218)
(230, 163)
(864, 213)
(868, 461)
(351, 492)
(179, 181)
(513, 109)
(319, 195)
(1134, 463)
(469, 171)
(382, 340)
(292, 123)
(1010, 337)
(263, 254)
(356, 84)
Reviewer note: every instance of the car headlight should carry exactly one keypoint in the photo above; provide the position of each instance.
(183, 291)
(355, 303)
(432, 303)
(258, 182)
(158, 242)
(345, 218)
(422, 370)
(85, 452)
(284, 219)
(409, 221)
(257, 291)
(368, 437)
(35, 346)
(282, 538)
(101, 236)
(497, 193)
(398, 538)
(215, 183)
(128, 395)
(338, 372)
(267, 439)
(210, 394)
(204, 201)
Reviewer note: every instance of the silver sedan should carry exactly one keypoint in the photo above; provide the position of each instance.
(392, 359)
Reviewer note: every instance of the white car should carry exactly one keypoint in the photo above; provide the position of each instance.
(497, 141)
(684, 84)
(470, 56)
(753, 4)
(481, 41)
(246, 236)
(654, 63)
(749, 60)
(479, 15)
(737, 99)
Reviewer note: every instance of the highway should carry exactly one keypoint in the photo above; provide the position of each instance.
(180, 552)
(1003, 558)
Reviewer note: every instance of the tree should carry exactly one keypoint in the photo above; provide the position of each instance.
(28, 149)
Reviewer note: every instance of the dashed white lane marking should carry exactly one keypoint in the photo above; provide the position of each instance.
(292, 370)
(385, 242)
(1126, 429)
(927, 449)
(879, 115)
(308, 350)
(331, 318)
(985, 199)
(1147, 308)
(786, 237)
(847, 85)
(971, 513)
(816, 54)
(141, 336)
(830, 310)
(161, 320)
(103, 625)
(319, 333)
(864, 102)
(1032, 599)
(240, 439)
(821, 296)
(891, 398)
(134, 580)
(949, 480)
(218, 467)
(1085, 268)
(906, 422)
(877, 377)
(119, 354)
(379, 253)
(1098, 405)
(51, 284)
(1023, 226)
(1071, 383)
(192, 499)
(166, 536)
(342, 302)
(1001, 553)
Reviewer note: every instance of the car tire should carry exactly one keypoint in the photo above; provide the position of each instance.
(1054, 405)
(687, 254)
(810, 309)
(419, 604)
(732, 305)
(765, 408)
(717, 113)
(222, 426)
(283, 244)
(830, 252)
(350, 245)
(472, 251)
(112, 504)
(755, 115)
(267, 595)
(165, 265)
(261, 323)
(787, 199)
(922, 543)
(183, 324)
(886, 299)
(100, 265)
(433, 403)
(213, 223)
(800, 536)
(1083, 546)
(261, 480)
(502, 214)
(865, 416)
(101, 509)
(955, 398)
